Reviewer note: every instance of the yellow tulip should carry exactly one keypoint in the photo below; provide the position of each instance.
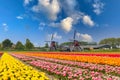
(11, 68)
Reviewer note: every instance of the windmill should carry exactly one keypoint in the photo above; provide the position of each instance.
(75, 45)
(52, 43)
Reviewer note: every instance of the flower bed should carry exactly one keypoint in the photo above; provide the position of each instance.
(12, 69)
(103, 54)
(56, 67)
(96, 67)
(66, 72)
(90, 59)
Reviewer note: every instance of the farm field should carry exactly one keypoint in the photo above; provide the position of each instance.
(13, 69)
(59, 40)
(59, 66)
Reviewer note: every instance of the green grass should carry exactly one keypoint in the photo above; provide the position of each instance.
(101, 50)
(95, 50)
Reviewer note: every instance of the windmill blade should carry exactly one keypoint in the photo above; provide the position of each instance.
(74, 34)
(52, 37)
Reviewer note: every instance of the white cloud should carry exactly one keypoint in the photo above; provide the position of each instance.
(54, 24)
(26, 2)
(85, 37)
(71, 3)
(5, 27)
(55, 36)
(98, 6)
(87, 20)
(77, 16)
(66, 24)
(51, 8)
(41, 26)
(68, 6)
(4, 24)
(19, 17)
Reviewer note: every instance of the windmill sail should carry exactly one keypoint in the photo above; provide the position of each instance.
(52, 37)
(74, 35)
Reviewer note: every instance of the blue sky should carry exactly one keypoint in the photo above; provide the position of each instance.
(38, 19)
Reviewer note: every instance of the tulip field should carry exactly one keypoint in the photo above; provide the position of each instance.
(12, 69)
(60, 65)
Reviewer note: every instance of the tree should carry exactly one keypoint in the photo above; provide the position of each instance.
(66, 43)
(19, 46)
(0, 45)
(118, 41)
(57, 45)
(28, 45)
(110, 41)
(7, 44)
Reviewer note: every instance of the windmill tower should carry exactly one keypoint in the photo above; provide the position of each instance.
(52, 46)
(75, 43)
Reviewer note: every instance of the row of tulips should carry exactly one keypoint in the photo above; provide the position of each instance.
(95, 67)
(105, 54)
(65, 72)
(71, 73)
(102, 55)
(13, 69)
(90, 59)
